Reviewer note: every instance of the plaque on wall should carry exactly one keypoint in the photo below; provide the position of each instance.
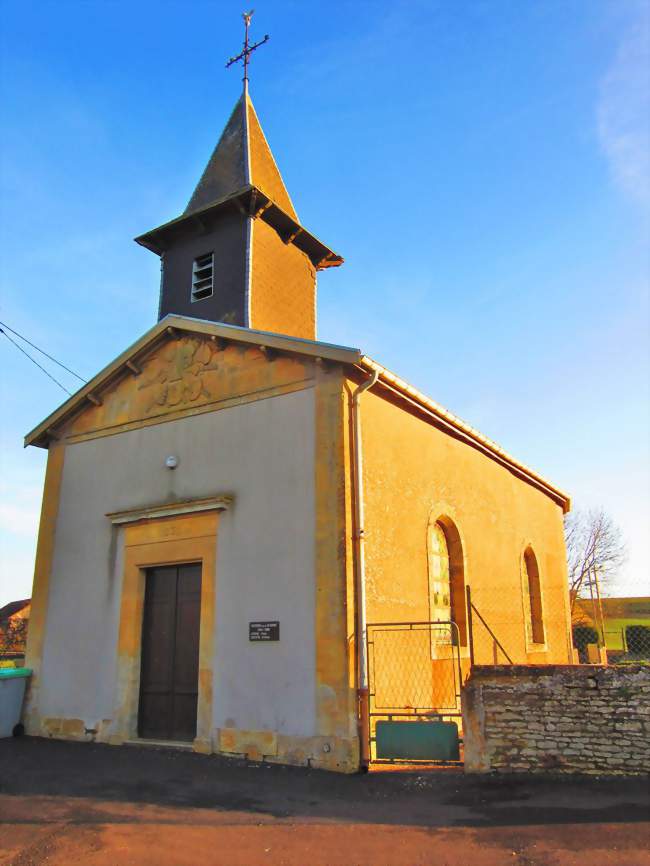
(264, 631)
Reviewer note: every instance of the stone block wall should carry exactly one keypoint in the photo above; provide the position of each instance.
(557, 719)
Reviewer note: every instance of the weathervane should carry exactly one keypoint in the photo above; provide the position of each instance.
(248, 49)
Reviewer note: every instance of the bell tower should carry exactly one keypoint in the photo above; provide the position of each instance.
(238, 253)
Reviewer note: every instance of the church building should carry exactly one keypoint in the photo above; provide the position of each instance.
(256, 543)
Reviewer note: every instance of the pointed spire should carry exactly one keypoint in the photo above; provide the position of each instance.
(264, 172)
(241, 158)
(226, 170)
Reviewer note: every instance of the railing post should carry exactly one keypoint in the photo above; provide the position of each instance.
(470, 626)
(497, 643)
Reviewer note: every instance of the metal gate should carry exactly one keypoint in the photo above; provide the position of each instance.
(414, 678)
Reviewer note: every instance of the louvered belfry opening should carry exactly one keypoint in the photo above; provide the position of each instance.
(203, 277)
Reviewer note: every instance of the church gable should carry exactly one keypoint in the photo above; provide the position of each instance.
(187, 374)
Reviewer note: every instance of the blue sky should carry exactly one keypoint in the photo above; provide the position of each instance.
(482, 166)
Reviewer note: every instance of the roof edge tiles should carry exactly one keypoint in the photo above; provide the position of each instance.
(436, 409)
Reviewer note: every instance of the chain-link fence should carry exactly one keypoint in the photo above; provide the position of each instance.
(519, 619)
(545, 624)
(617, 627)
(559, 628)
(414, 668)
(415, 675)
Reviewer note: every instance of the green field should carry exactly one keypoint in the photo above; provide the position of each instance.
(619, 614)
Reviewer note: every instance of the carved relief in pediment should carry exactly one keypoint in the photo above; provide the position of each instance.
(179, 374)
(184, 374)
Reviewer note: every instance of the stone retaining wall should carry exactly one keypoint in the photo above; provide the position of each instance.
(557, 719)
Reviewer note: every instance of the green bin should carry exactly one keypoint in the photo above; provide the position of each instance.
(12, 694)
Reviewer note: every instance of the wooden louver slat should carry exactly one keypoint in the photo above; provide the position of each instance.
(203, 277)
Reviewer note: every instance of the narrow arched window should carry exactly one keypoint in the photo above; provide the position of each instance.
(446, 576)
(439, 578)
(532, 592)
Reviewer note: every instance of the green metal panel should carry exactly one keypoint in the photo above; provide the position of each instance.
(418, 741)
(10, 673)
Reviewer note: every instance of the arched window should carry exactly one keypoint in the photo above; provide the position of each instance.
(446, 576)
(532, 592)
(439, 579)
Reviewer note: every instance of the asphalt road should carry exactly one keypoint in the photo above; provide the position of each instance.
(76, 803)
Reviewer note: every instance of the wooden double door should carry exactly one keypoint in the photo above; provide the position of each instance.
(170, 653)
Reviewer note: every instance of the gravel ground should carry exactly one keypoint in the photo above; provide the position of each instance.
(69, 803)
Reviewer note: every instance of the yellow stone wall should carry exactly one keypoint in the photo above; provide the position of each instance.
(41, 584)
(334, 625)
(415, 473)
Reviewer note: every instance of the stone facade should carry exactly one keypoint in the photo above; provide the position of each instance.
(557, 719)
(262, 494)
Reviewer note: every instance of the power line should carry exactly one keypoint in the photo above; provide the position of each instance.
(25, 340)
(34, 361)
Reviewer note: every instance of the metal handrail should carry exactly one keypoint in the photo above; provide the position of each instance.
(472, 607)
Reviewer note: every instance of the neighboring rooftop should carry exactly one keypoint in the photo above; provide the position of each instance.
(632, 607)
(13, 607)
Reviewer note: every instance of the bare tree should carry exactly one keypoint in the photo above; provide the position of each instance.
(594, 543)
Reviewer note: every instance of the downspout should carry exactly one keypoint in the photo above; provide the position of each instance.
(362, 644)
(162, 277)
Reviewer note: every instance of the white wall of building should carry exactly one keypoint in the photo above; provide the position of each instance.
(263, 454)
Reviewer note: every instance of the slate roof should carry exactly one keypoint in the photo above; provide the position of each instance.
(243, 173)
(242, 157)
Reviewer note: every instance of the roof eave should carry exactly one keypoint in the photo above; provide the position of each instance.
(255, 203)
(41, 435)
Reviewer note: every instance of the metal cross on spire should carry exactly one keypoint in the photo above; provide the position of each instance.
(244, 55)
